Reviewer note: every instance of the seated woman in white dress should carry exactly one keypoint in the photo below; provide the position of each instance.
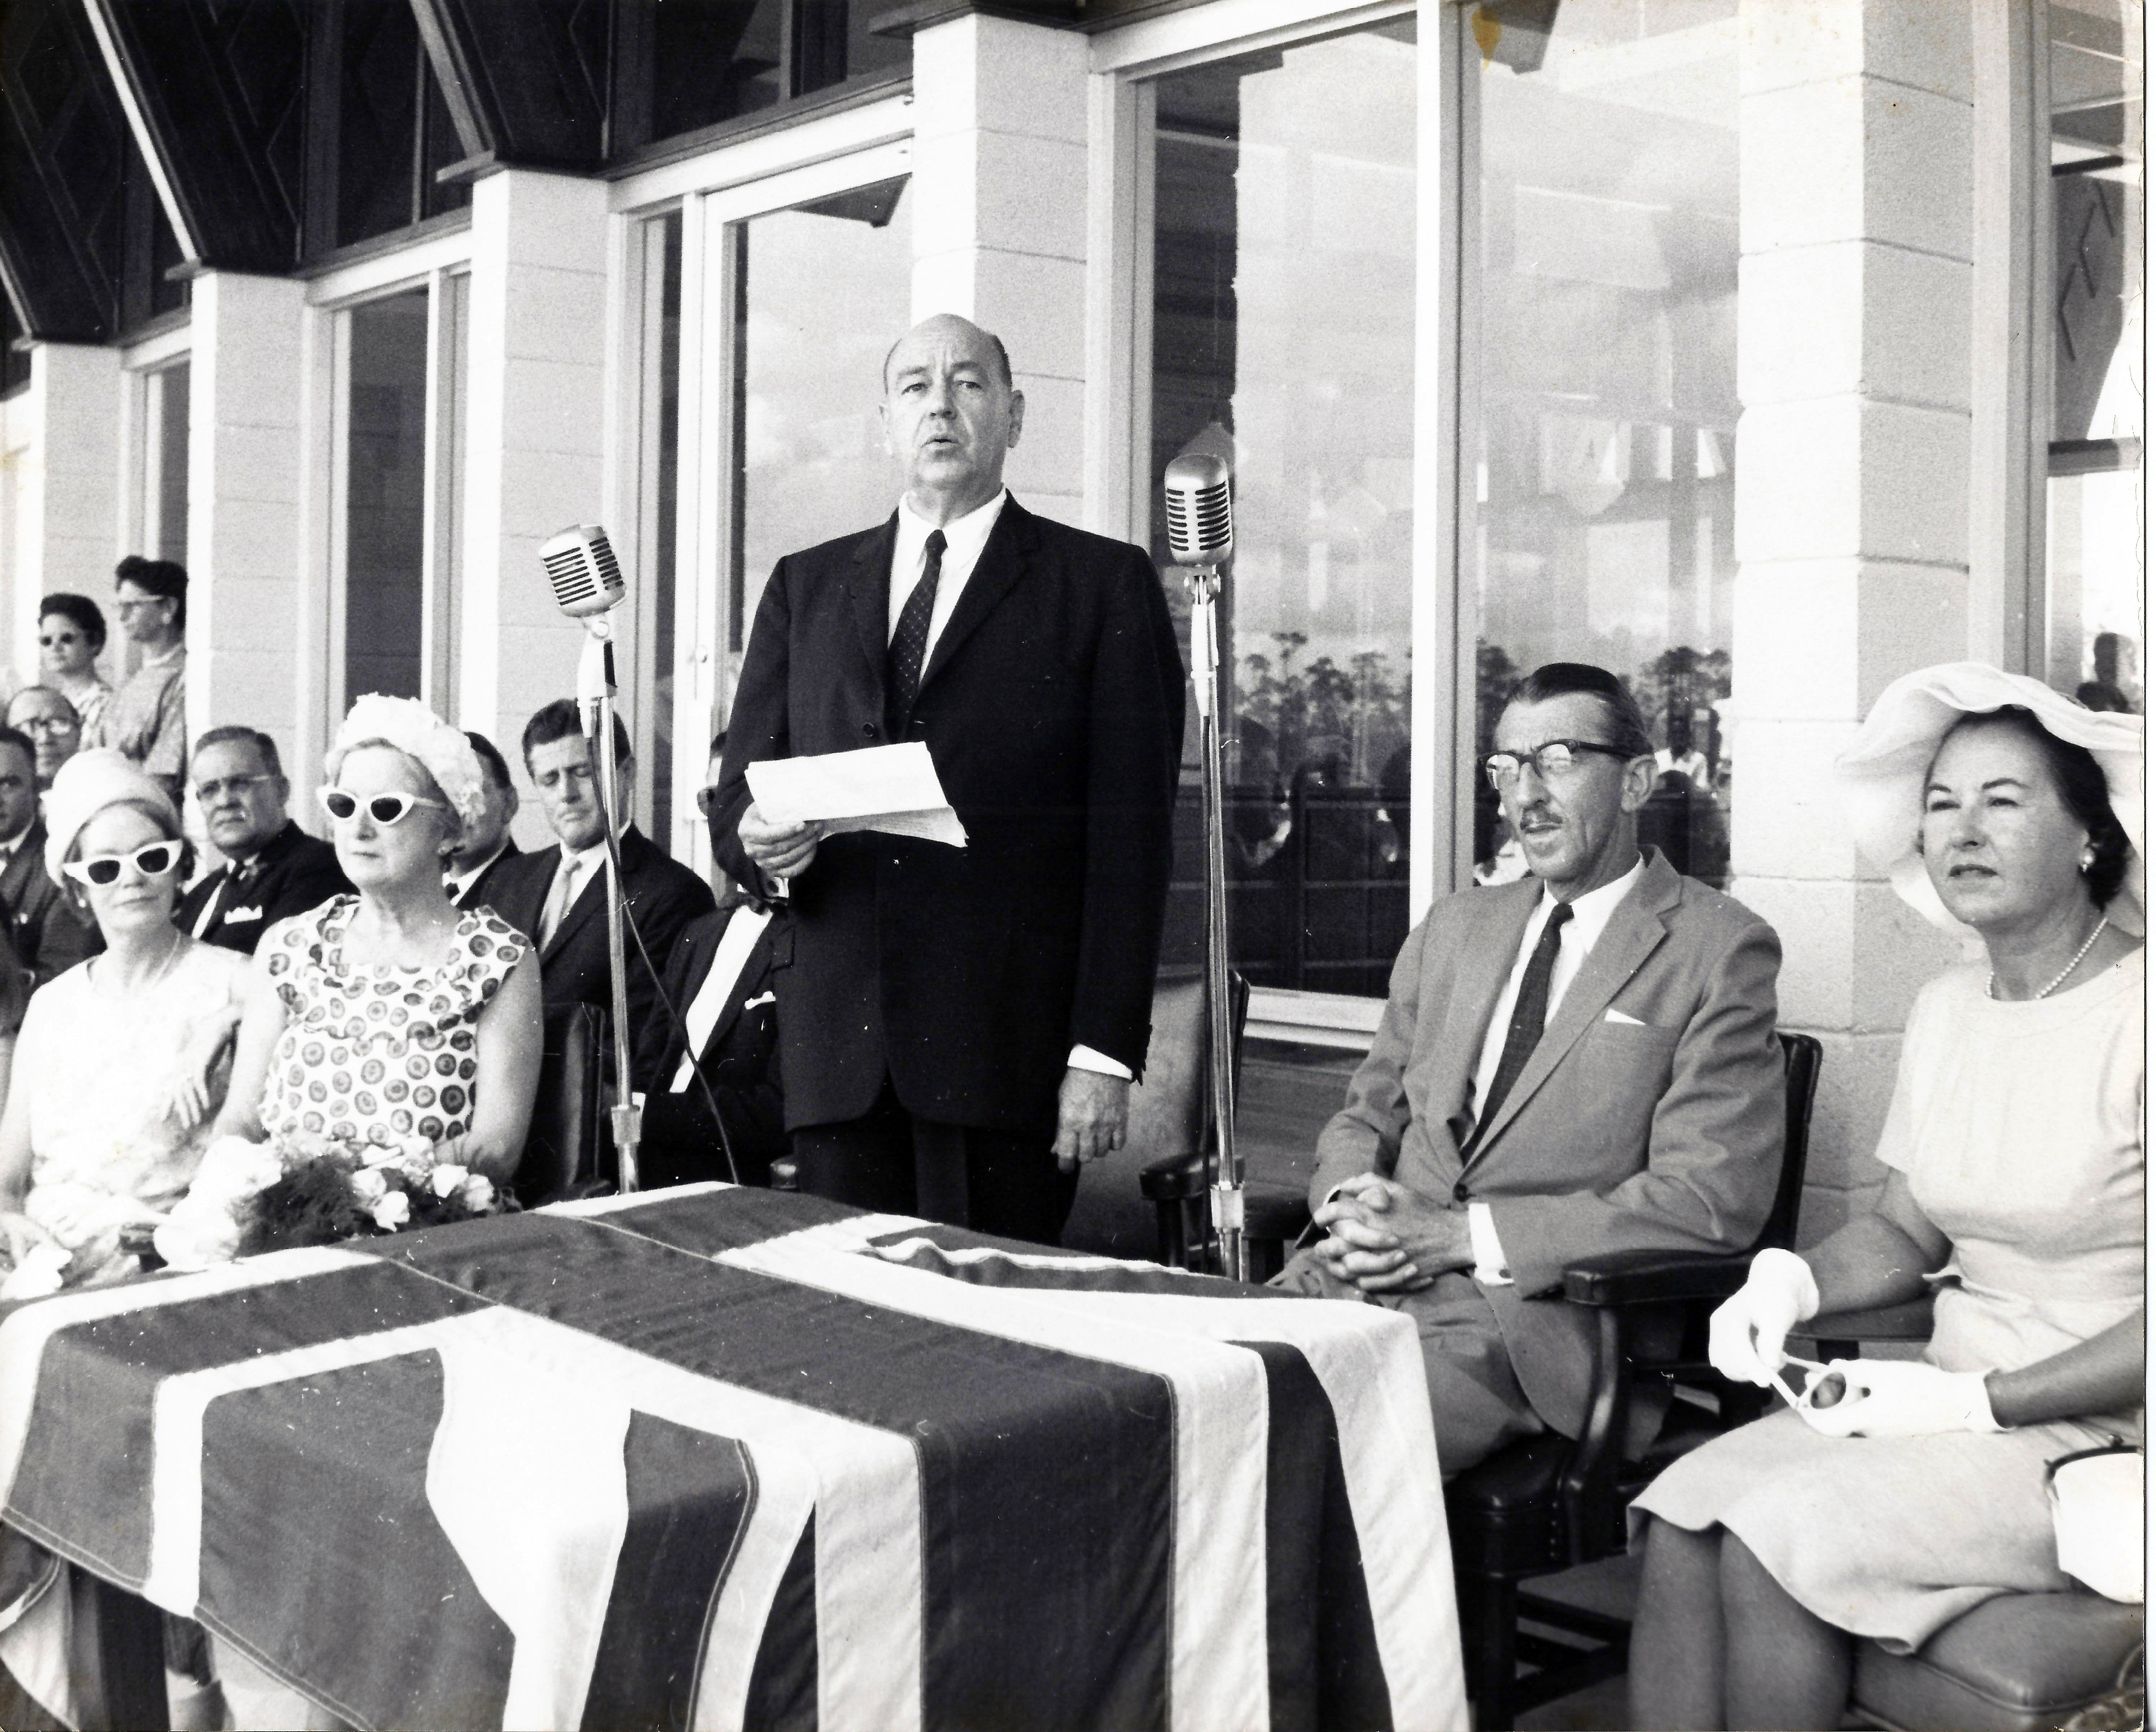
(121, 1062)
(391, 1018)
(2014, 1185)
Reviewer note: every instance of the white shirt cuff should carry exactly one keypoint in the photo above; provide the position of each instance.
(1083, 1058)
(1489, 1254)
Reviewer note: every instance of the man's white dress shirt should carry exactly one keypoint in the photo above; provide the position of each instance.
(963, 539)
(457, 883)
(1575, 939)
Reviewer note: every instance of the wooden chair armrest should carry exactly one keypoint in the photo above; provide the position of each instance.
(1655, 1277)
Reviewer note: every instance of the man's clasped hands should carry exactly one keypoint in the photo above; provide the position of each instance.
(1385, 1238)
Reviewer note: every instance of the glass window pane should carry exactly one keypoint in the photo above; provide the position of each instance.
(386, 489)
(712, 60)
(820, 294)
(1607, 355)
(377, 131)
(1283, 336)
(660, 470)
(2093, 599)
(169, 393)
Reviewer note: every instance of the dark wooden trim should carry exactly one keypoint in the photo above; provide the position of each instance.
(155, 326)
(872, 87)
(914, 15)
(449, 53)
(448, 222)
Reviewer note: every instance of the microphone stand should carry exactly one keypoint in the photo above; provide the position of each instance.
(595, 695)
(1224, 1162)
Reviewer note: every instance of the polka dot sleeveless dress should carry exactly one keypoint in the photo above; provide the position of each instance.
(377, 1055)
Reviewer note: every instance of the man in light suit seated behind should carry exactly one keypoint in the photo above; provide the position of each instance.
(1582, 1062)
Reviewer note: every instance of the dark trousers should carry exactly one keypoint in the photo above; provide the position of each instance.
(999, 1182)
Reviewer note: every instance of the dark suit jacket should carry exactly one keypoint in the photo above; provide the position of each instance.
(296, 872)
(1053, 708)
(739, 1061)
(1658, 1128)
(663, 897)
(482, 892)
(50, 935)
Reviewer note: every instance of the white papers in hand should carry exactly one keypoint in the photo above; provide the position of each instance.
(891, 789)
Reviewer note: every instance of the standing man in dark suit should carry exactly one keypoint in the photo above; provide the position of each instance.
(472, 867)
(50, 935)
(960, 1026)
(558, 898)
(272, 869)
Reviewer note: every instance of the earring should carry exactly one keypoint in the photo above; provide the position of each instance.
(2088, 858)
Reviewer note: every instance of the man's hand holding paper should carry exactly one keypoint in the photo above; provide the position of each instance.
(800, 800)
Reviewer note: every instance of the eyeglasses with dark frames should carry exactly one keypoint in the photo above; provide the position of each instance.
(1554, 760)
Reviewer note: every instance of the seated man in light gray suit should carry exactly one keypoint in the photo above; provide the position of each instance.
(1582, 1062)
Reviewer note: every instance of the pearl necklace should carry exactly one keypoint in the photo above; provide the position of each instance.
(2088, 944)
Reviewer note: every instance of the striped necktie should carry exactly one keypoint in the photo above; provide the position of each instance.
(909, 643)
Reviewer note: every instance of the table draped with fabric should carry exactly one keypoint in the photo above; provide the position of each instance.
(714, 1457)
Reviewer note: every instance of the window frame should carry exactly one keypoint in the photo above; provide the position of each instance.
(855, 146)
(1124, 62)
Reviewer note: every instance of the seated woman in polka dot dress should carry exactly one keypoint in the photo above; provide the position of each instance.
(392, 1017)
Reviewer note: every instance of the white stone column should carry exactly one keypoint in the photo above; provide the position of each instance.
(64, 432)
(999, 223)
(245, 600)
(1852, 501)
(535, 440)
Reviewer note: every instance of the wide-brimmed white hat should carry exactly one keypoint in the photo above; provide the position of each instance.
(85, 785)
(1882, 772)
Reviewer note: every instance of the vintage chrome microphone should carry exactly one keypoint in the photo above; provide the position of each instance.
(1201, 534)
(580, 563)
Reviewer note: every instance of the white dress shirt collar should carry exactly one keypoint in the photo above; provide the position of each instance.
(458, 882)
(963, 539)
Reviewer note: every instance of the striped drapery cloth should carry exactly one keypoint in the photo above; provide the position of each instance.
(721, 1457)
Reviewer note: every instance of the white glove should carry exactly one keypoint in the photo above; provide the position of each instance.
(1902, 1398)
(1745, 1335)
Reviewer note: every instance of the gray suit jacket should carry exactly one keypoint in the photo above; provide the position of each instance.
(1663, 1131)
(49, 935)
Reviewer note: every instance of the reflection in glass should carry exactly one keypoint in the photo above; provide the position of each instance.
(385, 497)
(2092, 612)
(166, 469)
(820, 293)
(1284, 250)
(1609, 386)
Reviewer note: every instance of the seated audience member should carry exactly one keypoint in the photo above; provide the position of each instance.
(558, 898)
(146, 719)
(1582, 1062)
(51, 934)
(2015, 1169)
(486, 842)
(70, 638)
(459, 989)
(43, 716)
(121, 1062)
(719, 980)
(272, 869)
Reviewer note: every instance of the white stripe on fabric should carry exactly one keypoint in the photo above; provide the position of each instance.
(25, 1332)
(1369, 1359)
(785, 1499)
(527, 1478)
(1217, 1676)
(585, 1207)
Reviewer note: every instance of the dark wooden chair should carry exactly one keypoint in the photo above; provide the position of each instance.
(567, 1152)
(2019, 1663)
(1116, 1213)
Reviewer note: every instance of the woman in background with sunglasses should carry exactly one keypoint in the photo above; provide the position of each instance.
(121, 1062)
(391, 1018)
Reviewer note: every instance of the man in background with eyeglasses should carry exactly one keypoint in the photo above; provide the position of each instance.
(272, 868)
(1580, 1063)
(50, 934)
(49, 722)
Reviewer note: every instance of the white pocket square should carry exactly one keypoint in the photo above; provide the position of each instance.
(768, 998)
(1616, 1015)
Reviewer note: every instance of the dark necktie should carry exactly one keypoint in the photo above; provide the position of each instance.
(1530, 1010)
(909, 643)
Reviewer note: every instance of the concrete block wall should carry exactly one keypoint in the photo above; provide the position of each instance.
(64, 441)
(1855, 293)
(999, 223)
(535, 443)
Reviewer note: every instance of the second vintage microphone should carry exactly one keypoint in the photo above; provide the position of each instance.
(581, 565)
(1201, 519)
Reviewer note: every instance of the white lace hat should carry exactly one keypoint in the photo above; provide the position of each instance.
(1882, 772)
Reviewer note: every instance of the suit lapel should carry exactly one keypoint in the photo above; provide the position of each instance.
(1002, 563)
(1633, 933)
(751, 970)
(29, 856)
(869, 585)
(1481, 974)
(591, 900)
